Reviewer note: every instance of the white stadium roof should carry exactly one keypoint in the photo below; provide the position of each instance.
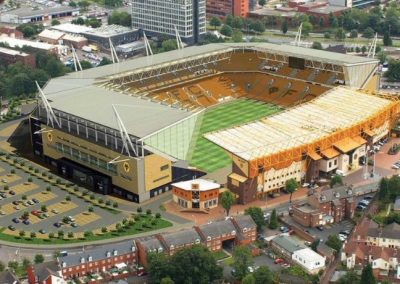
(337, 109)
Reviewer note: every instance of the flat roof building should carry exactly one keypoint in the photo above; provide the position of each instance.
(311, 261)
(30, 15)
(50, 48)
(10, 56)
(159, 18)
(118, 35)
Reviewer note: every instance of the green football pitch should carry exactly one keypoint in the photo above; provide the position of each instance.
(206, 155)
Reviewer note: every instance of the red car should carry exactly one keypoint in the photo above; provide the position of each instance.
(278, 260)
(35, 212)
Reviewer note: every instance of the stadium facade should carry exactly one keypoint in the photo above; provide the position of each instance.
(128, 128)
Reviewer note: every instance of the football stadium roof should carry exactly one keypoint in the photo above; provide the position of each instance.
(81, 93)
(337, 109)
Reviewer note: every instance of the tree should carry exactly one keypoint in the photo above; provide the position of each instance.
(21, 233)
(113, 3)
(262, 2)
(334, 242)
(273, 220)
(257, 216)
(353, 33)
(248, 279)
(367, 277)
(215, 22)
(93, 22)
(257, 26)
(28, 31)
(228, 20)
(39, 258)
(167, 280)
(327, 35)
(363, 49)
(284, 27)
(237, 23)
(194, 265)
(340, 34)
(307, 28)
(226, 30)
(78, 21)
(263, 275)
(336, 179)
(321, 22)
(368, 33)
(237, 36)
(55, 22)
(387, 40)
(316, 45)
(351, 277)
(242, 259)
(158, 267)
(120, 18)
(168, 45)
(291, 186)
(2, 266)
(33, 235)
(383, 193)
(85, 65)
(84, 4)
(13, 265)
(314, 244)
(227, 200)
(381, 56)
(25, 263)
(334, 23)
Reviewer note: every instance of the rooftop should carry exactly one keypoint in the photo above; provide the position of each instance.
(6, 277)
(54, 35)
(287, 244)
(218, 228)
(96, 102)
(245, 222)
(328, 194)
(15, 42)
(46, 269)
(71, 28)
(181, 238)
(97, 253)
(328, 9)
(109, 31)
(151, 244)
(306, 208)
(299, 125)
(30, 12)
(197, 184)
(307, 253)
(12, 52)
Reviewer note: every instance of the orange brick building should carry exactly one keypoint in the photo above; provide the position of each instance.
(196, 194)
(222, 8)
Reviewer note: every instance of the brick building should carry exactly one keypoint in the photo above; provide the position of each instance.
(223, 8)
(45, 273)
(97, 260)
(10, 56)
(11, 32)
(325, 206)
(196, 194)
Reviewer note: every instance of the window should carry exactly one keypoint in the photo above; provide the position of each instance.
(165, 167)
(335, 162)
(330, 164)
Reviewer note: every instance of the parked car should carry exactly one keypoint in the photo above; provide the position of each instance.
(364, 203)
(368, 197)
(57, 224)
(11, 228)
(342, 238)
(74, 225)
(30, 202)
(285, 265)
(42, 231)
(360, 207)
(345, 232)
(15, 202)
(35, 200)
(278, 260)
(284, 229)
(2, 212)
(35, 212)
(15, 220)
(26, 222)
(16, 207)
(320, 228)
(12, 192)
(55, 211)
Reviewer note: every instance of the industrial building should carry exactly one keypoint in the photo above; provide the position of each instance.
(29, 15)
(133, 131)
(161, 18)
(117, 34)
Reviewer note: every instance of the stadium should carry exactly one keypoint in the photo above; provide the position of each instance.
(266, 112)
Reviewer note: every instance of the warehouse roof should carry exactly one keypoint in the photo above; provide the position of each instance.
(29, 12)
(71, 28)
(300, 125)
